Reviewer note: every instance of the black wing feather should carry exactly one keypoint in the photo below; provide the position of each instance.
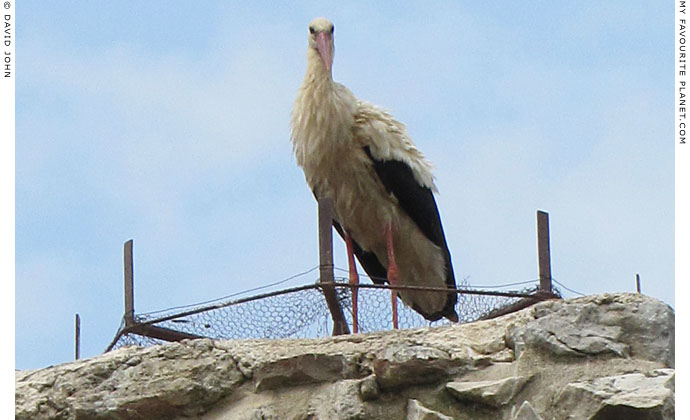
(419, 203)
(368, 260)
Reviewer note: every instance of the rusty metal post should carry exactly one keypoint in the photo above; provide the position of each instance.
(544, 249)
(326, 240)
(327, 278)
(77, 336)
(129, 283)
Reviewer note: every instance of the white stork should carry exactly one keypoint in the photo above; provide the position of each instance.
(381, 185)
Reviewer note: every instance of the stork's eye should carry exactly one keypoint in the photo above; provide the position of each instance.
(332, 29)
(311, 30)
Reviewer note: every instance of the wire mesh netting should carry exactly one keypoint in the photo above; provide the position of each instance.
(302, 312)
(299, 313)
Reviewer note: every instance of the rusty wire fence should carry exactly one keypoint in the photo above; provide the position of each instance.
(322, 306)
(302, 312)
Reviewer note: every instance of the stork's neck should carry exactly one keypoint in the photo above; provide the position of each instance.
(316, 70)
(322, 117)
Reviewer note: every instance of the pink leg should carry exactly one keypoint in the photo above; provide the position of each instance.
(393, 275)
(354, 281)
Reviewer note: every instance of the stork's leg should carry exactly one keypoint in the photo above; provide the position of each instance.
(393, 275)
(354, 281)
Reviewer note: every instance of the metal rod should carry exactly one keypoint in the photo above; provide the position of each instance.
(161, 333)
(544, 250)
(129, 283)
(435, 289)
(77, 336)
(326, 240)
(637, 279)
(327, 278)
(523, 303)
(117, 337)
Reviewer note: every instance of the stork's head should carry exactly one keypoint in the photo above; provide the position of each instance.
(321, 39)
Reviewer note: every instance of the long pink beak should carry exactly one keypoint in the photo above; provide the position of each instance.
(324, 45)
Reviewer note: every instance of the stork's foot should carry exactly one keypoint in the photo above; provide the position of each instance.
(394, 298)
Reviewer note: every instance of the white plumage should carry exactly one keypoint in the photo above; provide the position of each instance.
(381, 184)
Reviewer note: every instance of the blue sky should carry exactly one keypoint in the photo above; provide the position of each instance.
(170, 125)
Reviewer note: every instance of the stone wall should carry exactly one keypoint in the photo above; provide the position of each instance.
(598, 357)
